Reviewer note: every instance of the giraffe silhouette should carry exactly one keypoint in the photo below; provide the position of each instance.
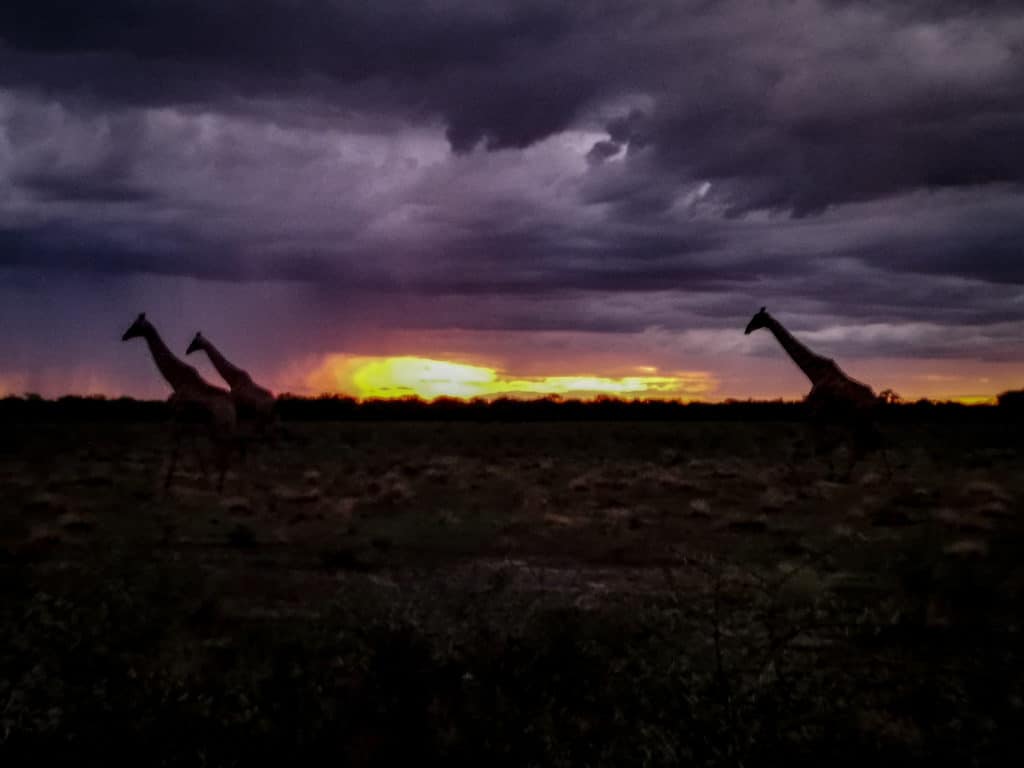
(835, 399)
(193, 400)
(253, 403)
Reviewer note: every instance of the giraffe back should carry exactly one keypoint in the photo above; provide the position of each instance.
(205, 403)
(838, 395)
(254, 396)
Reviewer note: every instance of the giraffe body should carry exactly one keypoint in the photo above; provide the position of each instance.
(835, 390)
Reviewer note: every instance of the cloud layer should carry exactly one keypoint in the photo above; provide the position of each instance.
(341, 173)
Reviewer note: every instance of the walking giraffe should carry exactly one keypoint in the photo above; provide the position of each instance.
(835, 398)
(192, 396)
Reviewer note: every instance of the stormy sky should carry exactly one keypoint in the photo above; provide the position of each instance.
(545, 188)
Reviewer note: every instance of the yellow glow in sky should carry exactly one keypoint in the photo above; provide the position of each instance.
(390, 377)
(400, 376)
(974, 399)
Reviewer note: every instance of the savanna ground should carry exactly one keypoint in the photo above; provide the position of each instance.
(522, 594)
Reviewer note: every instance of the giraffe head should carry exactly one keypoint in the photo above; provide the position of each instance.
(197, 343)
(760, 320)
(138, 328)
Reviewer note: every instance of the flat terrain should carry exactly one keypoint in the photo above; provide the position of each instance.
(529, 594)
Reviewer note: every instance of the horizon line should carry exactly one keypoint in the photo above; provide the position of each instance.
(961, 400)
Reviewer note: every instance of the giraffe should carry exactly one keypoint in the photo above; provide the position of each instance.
(834, 398)
(251, 400)
(192, 396)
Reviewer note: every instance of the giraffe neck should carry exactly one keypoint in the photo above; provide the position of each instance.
(233, 375)
(177, 373)
(814, 366)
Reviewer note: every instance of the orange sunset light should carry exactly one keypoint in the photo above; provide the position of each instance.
(391, 377)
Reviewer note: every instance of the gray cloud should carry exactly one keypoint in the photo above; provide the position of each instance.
(57, 246)
(793, 106)
(488, 70)
(596, 167)
(99, 188)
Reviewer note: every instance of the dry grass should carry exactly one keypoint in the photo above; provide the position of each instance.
(555, 594)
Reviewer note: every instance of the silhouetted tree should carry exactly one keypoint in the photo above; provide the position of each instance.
(890, 397)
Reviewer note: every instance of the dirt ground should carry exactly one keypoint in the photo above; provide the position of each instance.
(529, 594)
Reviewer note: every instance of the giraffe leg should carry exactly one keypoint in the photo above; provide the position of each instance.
(224, 459)
(885, 461)
(242, 443)
(869, 438)
(883, 444)
(199, 457)
(802, 449)
(821, 447)
(859, 445)
(833, 473)
(811, 444)
(223, 471)
(175, 444)
(272, 432)
(834, 445)
(793, 457)
(856, 453)
(244, 459)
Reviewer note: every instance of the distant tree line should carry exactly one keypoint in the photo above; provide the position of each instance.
(553, 408)
(1013, 400)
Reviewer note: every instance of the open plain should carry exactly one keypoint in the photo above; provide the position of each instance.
(577, 593)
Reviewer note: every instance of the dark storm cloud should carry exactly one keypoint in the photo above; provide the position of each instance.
(51, 187)
(931, 9)
(847, 162)
(975, 237)
(176, 253)
(347, 39)
(60, 246)
(103, 171)
(488, 70)
(602, 150)
(793, 106)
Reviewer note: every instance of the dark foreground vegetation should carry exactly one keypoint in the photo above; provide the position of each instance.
(609, 592)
